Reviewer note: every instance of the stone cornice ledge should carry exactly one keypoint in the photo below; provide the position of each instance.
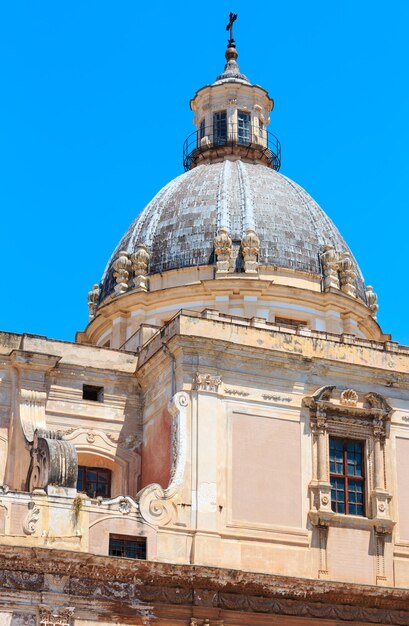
(84, 575)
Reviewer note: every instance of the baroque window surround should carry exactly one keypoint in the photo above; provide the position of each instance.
(347, 415)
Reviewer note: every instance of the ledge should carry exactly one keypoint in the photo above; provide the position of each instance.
(25, 573)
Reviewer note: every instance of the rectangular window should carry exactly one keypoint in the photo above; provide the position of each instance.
(346, 459)
(128, 547)
(202, 129)
(90, 392)
(220, 128)
(94, 481)
(243, 127)
(260, 128)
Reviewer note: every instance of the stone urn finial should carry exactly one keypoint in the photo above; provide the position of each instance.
(250, 249)
(223, 248)
(93, 297)
(372, 300)
(121, 266)
(140, 263)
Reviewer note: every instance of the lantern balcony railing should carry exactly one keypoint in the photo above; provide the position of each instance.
(215, 142)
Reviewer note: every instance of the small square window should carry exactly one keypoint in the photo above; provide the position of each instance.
(127, 547)
(90, 392)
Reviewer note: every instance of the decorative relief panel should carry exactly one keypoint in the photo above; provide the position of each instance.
(30, 522)
(56, 617)
(207, 382)
(23, 619)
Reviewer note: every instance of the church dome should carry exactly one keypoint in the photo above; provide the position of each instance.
(179, 225)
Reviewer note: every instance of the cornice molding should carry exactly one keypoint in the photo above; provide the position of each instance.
(26, 570)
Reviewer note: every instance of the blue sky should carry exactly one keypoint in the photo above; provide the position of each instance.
(94, 109)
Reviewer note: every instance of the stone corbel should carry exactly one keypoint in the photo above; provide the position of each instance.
(158, 506)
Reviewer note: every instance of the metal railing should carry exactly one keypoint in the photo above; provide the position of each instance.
(218, 138)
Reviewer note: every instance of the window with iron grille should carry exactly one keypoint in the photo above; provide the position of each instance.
(346, 458)
(260, 128)
(243, 127)
(202, 129)
(220, 128)
(94, 481)
(128, 547)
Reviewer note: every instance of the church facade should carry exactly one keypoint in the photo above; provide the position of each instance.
(227, 442)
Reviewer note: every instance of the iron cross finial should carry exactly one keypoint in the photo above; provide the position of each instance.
(232, 19)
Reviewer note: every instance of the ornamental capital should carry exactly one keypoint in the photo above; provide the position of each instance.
(56, 616)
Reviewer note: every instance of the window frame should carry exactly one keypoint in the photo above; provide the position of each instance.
(202, 129)
(346, 477)
(244, 131)
(96, 469)
(218, 138)
(130, 539)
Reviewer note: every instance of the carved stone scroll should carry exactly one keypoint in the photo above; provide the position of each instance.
(32, 412)
(53, 461)
(157, 505)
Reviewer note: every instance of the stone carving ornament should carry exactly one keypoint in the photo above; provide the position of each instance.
(349, 397)
(223, 248)
(207, 382)
(56, 617)
(250, 248)
(93, 297)
(157, 505)
(53, 461)
(372, 300)
(23, 619)
(31, 519)
(140, 263)
(338, 271)
(121, 267)
(347, 274)
(329, 261)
